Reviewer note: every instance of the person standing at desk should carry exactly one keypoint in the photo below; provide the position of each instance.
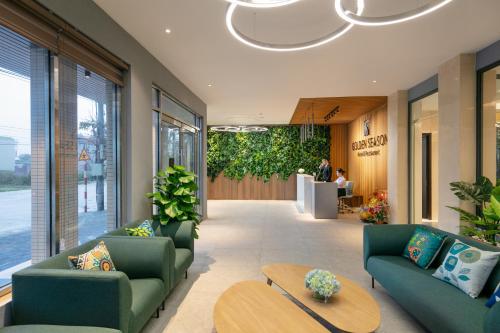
(325, 171)
(340, 178)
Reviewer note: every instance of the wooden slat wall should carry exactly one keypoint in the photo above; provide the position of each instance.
(249, 188)
(338, 147)
(369, 173)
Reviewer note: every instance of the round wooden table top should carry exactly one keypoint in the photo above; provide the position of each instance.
(254, 307)
(353, 309)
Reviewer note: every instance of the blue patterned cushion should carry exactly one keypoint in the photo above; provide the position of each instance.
(423, 247)
(494, 298)
(467, 268)
(142, 230)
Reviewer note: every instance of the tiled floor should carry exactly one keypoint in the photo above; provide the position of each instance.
(241, 236)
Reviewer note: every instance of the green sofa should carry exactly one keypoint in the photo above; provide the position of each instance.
(147, 270)
(55, 329)
(438, 306)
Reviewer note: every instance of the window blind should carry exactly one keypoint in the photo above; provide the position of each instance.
(35, 22)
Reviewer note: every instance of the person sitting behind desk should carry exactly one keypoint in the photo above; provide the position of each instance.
(325, 171)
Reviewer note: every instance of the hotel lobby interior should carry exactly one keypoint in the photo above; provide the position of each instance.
(249, 166)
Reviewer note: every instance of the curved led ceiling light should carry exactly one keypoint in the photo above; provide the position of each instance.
(262, 3)
(287, 47)
(391, 19)
(238, 129)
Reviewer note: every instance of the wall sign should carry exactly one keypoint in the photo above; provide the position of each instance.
(372, 142)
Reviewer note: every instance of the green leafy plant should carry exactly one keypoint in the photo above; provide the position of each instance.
(175, 196)
(275, 152)
(484, 226)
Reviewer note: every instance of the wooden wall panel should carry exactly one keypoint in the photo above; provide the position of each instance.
(338, 147)
(369, 173)
(249, 188)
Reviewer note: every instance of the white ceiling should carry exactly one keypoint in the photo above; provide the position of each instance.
(254, 86)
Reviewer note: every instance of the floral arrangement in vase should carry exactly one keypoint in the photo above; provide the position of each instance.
(322, 283)
(377, 209)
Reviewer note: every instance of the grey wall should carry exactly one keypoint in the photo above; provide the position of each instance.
(136, 139)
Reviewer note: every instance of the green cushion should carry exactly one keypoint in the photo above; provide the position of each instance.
(142, 230)
(437, 305)
(147, 295)
(423, 246)
(55, 329)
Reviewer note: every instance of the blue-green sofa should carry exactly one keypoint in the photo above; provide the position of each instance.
(438, 306)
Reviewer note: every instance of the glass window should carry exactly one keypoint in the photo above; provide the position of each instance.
(176, 111)
(424, 137)
(87, 161)
(24, 133)
(491, 124)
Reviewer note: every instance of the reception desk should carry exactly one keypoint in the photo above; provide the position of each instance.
(302, 181)
(316, 198)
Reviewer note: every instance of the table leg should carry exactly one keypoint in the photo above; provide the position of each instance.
(269, 282)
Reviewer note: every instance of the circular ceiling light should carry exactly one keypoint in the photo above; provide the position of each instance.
(239, 129)
(356, 18)
(246, 129)
(262, 3)
(287, 47)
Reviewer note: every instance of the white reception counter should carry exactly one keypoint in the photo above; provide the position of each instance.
(316, 198)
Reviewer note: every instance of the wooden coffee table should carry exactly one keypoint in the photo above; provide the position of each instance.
(253, 307)
(353, 309)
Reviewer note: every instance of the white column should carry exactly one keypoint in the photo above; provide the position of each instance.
(397, 164)
(457, 134)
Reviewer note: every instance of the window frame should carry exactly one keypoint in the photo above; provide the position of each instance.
(411, 193)
(479, 115)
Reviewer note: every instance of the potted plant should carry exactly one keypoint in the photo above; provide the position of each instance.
(377, 209)
(175, 196)
(485, 225)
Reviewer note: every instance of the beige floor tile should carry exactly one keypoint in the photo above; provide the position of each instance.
(241, 236)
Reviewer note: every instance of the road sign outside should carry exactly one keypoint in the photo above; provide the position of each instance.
(84, 156)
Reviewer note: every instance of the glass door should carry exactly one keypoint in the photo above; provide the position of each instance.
(188, 148)
(170, 144)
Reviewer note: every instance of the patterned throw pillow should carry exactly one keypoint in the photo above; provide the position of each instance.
(142, 230)
(97, 259)
(423, 247)
(467, 268)
(495, 298)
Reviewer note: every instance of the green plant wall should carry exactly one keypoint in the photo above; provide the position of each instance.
(277, 151)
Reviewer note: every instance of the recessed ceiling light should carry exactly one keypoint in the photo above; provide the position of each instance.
(374, 81)
(209, 85)
(168, 31)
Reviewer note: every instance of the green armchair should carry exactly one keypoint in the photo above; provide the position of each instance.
(181, 233)
(53, 294)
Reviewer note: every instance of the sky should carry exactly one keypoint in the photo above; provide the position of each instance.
(15, 114)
